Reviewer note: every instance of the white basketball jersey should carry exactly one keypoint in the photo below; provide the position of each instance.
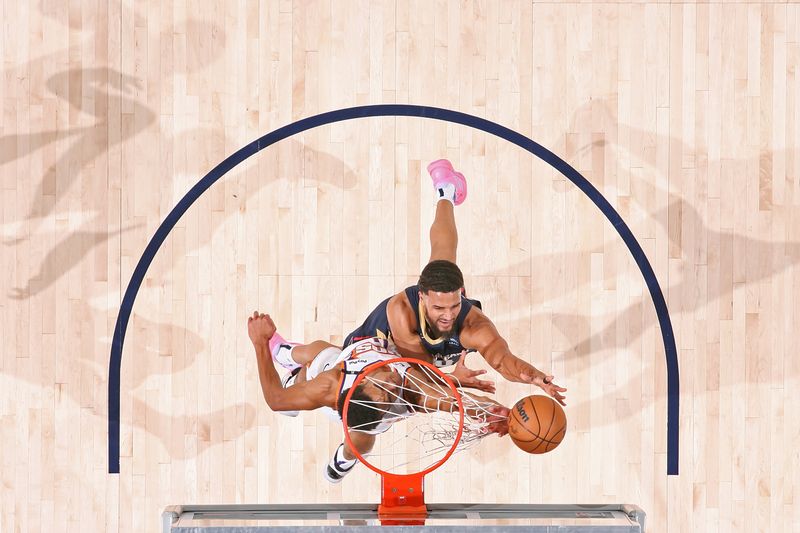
(355, 359)
(365, 353)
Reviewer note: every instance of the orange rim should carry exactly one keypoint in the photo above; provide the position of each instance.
(453, 389)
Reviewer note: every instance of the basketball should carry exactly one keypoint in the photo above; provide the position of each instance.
(537, 424)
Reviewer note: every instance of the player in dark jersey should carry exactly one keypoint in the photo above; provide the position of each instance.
(444, 351)
(434, 320)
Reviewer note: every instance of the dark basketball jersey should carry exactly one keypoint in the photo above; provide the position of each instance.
(444, 351)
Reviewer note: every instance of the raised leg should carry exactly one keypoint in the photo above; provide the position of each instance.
(443, 234)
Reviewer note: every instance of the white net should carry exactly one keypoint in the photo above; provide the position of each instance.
(420, 420)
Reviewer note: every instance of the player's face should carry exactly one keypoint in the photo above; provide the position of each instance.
(441, 310)
(385, 385)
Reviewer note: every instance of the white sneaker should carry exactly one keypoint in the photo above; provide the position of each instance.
(339, 466)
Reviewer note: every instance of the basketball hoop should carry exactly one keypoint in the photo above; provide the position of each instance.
(447, 428)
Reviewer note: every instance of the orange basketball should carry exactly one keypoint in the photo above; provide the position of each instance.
(537, 424)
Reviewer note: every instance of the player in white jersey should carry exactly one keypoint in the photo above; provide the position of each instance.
(321, 375)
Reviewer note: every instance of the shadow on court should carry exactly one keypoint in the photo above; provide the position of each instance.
(711, 258)
(76, 161)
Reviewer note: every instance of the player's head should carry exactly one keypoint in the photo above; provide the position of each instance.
(371, 399)
(440, 292)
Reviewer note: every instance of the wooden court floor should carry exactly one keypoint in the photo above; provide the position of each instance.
(685, 117)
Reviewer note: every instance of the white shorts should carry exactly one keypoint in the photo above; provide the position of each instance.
(325, 360)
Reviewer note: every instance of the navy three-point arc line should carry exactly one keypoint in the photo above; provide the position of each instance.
(381, 111)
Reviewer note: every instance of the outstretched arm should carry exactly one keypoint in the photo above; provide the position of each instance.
(303, 396)
(434, 398)
(479, 333)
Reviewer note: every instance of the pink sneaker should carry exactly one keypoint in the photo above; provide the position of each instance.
(442, 172)
(281, 351)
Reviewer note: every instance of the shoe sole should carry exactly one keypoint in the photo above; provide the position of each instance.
(456, 178)
(330, 473)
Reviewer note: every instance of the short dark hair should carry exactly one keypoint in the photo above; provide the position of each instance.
(360, 417)
(440, 276)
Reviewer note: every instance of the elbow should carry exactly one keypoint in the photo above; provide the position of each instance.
(274, 401)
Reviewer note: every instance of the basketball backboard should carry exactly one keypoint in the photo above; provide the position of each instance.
(330, 518)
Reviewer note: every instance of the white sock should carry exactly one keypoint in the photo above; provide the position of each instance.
(447, 191)
(290, 378)
(340, 461)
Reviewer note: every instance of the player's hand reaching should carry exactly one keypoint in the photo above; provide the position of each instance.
(468, 378)
(545, 383)
(498, 419)
(260, 328)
